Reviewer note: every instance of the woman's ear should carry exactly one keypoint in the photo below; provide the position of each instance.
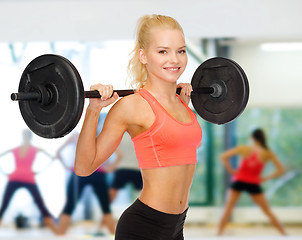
(142, 56)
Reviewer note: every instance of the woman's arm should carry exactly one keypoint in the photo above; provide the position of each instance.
(112, 166)
(6, 152)
(92, 152)
(224, 157)
(72, 139)
(279, 168)
(46, 153)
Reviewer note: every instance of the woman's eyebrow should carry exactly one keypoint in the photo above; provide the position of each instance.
(168, 47)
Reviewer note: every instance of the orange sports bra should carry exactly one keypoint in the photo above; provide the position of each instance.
(168, 142)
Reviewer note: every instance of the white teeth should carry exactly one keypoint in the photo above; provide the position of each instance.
(172, 69)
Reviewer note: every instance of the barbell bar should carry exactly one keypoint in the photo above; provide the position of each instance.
(37, 96)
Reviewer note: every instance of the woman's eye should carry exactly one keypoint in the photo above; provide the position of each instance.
(182, 51)
(163, 52)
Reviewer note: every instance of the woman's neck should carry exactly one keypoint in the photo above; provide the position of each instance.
(25, 145)
(162, 89)
(257, 145)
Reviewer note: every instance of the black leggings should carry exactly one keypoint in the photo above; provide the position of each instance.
(76, 186)
(140, 222)
(10, 189)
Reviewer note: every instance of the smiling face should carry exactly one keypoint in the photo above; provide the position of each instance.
(165, 58)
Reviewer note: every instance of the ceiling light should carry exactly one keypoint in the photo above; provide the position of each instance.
(285, 46)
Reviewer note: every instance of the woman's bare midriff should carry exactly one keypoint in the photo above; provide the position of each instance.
(167, 189)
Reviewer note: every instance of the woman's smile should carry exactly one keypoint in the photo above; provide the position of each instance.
(172, 69)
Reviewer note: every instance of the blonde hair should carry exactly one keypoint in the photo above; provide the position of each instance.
(137, 71)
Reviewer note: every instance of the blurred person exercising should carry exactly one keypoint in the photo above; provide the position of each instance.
(126, 170)
(75, 187)
(247, 177)
(164, 130)
(24, 177)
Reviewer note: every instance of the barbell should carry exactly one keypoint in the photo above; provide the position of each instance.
(51, 93)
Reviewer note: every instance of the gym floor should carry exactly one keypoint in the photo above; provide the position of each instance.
(87, 230)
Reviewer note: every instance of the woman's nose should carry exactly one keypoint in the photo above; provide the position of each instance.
(173, 58)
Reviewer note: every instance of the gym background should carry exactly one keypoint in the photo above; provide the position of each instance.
(264, 37)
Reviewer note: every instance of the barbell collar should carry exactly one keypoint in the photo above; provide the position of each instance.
(217, 90)
(29, 96)
(44, 97)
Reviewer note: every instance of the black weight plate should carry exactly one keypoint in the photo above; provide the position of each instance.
(235, 90)
(60, 78)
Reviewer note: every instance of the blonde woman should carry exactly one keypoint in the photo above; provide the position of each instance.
(164, 131)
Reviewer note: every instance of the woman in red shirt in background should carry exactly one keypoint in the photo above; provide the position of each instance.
(23, 176)
(247, 177)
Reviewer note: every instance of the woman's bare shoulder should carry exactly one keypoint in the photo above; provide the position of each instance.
(128, 105)
(130, 101)
(244, 148)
